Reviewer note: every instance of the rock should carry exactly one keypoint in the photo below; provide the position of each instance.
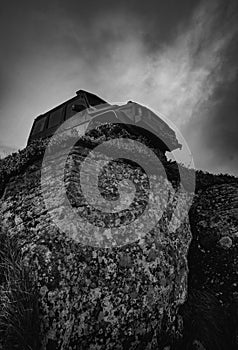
(206, 325)
(225, 242)
(94, 297)
(216, 214)
(213, 255)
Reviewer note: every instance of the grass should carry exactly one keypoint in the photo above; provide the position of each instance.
(19, 316)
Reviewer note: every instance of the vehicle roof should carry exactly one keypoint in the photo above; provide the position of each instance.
(88, 95)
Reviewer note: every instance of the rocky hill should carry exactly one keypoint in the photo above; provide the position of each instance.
(139, 295)
(6, 151)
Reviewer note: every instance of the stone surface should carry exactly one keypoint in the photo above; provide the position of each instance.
(225, 242)
(213, 256)
(95, 298)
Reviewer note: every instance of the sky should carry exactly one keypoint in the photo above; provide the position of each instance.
(177, 57)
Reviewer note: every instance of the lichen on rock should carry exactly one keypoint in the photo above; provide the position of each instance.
(123, 297)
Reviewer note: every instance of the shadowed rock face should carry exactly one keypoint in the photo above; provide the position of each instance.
(95, 298)
(214, 250)
(213, 253)
(215, 217)
(206, 325)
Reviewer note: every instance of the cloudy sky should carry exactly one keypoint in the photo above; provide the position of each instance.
(179, 57)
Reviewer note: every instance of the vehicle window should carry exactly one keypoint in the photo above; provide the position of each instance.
(39, 125)
(56, 117)
(80, 103)
(94, 100)
(69, 110)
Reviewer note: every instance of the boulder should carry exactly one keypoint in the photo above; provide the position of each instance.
(210, 314)
(213, 253)
(122, 297)
(215, 214)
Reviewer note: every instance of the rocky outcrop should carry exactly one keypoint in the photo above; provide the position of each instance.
(211, 312)
(215, 216)
(213, 254)
(91, 297)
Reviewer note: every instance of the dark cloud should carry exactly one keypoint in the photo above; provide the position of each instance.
(221, 129)
(213, 130)
(52, 48)
(178, 57)
(86, 28)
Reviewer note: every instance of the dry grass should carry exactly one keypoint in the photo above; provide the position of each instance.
(19, 318)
